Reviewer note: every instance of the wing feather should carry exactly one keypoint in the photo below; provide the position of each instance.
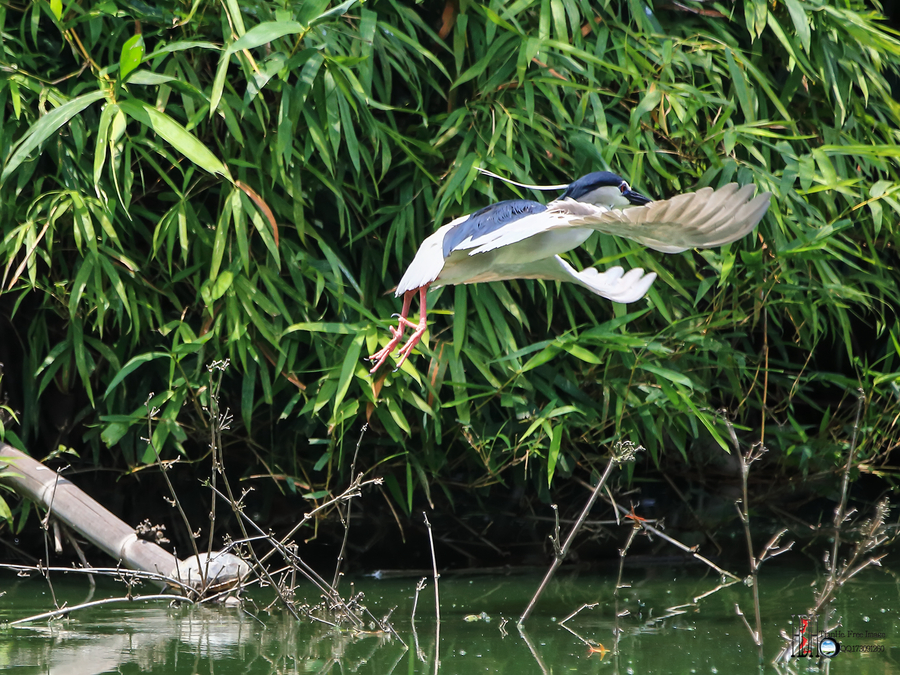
(701, 219)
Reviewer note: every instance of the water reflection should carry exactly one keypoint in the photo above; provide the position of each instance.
(146, 635)
(667, 621)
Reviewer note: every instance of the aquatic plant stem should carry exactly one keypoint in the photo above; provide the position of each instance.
(95, 603)
(346, 516)
(437, 645)
(743, 509)
(118, 573)
(437, 597)
(564, 550)
(617, 630)
(873, 531)
(45, 526)
(840, 513)
(291, 556)
(532, 649)
(218, 423)
(164, 471)
(684, 547)
(419, 588)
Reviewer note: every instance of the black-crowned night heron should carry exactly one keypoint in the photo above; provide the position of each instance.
(521, 239)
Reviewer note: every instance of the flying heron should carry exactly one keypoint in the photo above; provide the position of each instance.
(522, 239)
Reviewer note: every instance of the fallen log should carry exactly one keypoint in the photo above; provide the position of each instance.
(74, 508)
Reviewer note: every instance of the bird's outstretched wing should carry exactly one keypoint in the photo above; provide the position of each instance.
(701, 219)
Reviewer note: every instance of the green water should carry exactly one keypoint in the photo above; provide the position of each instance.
(664, 627)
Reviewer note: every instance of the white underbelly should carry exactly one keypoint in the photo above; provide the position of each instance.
(544, 245)
(462, 268)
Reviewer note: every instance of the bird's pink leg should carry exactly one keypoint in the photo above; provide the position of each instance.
(381, 356)
(419, 329)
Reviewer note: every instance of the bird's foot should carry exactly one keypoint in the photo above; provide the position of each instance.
(403, 323)
(382, 355)
(406, 323)
(411, 343)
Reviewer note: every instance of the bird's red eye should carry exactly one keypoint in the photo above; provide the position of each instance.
(623, 187)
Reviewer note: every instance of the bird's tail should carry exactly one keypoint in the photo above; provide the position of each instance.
(614, 284)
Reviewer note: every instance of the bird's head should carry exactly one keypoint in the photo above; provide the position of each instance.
(604, 188)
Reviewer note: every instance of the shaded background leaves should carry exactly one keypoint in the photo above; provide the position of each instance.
(183, 184)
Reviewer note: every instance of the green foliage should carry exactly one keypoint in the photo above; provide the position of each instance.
(247, 182)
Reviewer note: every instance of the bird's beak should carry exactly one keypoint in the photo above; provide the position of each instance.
(636, 198)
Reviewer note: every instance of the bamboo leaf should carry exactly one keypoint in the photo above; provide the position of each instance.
(668, 374)
(322, 327)
(175, 134)
(222, 283)
(106, 118)
(351, 360)
(133, 364)
(218, 251)
(801, 22)
(740, 86)
(553, 456)
(45, 127)
(131, 56)
(337, 10)
(264, 33)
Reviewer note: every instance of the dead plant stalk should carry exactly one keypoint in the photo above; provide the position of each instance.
(623, 451)
(770, 550)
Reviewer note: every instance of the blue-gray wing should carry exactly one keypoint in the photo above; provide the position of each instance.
(481, 226)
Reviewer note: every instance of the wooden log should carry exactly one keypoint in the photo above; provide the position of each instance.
(56, 494)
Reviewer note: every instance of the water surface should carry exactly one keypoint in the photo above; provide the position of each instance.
(670, 620)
